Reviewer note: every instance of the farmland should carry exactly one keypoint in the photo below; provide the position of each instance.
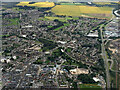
(74, 9)
(23, 4)
(66, 10)
(59, 18)
(72, 4)
(37, 4)
(48, 18)
(104, 3)
(90, 11)
(97, 10)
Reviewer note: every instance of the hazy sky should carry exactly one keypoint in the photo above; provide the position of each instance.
(54, 0)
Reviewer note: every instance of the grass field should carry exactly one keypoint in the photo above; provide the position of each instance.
(59, 18)
(14, 21)
(67, 4)
(89, 86)
(62, 27)
(37, 4)
(4, 35)
(68, 10)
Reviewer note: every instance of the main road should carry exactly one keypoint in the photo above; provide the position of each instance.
(105, 58)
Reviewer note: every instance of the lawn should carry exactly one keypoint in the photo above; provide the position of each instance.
(89, 11)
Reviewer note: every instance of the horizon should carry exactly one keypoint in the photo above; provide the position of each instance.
(60, 0)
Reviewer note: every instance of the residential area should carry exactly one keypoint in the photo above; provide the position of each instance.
(43, 50)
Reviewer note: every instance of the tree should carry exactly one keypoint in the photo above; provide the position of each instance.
(86, 78)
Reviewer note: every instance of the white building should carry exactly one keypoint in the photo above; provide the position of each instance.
(79, 71)
(96, 79)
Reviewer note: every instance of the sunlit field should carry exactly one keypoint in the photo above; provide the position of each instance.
(68, 10)
(104, 3)
(37, 4)
(22, 3)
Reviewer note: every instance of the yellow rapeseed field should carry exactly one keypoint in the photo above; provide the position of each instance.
(102, 3)
(22, 3)
(106, 3)
(66, 10)
(74, 10)
(95, 10)
(37, 4)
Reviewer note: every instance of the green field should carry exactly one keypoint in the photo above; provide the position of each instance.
(4, 35)
(49, 26)
(72, 4)
(13, 21)
(62, 26)
(59, 18)
(90, 86)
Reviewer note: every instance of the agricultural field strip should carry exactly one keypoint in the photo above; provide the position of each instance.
(37, 4)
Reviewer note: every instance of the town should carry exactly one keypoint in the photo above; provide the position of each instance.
(42, 49)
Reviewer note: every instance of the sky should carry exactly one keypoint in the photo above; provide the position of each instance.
(55, 0)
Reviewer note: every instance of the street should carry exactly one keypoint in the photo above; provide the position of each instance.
(105, 59)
